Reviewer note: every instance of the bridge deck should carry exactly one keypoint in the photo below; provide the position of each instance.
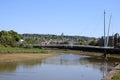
(83, 48)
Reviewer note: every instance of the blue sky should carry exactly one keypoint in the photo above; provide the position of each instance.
(72, 17)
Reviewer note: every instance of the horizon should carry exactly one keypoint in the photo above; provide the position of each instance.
(81, 18)
(60, 34)
(57, 35)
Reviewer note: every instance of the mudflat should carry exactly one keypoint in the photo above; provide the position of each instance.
(23, 56)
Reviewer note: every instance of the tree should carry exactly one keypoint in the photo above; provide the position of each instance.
(9, 38)
(14, 35)
(93, 43)
(118, 45)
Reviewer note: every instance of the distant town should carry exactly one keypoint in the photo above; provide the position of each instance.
(46, 39)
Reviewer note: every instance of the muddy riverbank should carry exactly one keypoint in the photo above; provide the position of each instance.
(23, 56)
(113, 72)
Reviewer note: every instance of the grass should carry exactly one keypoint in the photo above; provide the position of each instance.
(116, 76)
(21, 50)
(114, 55)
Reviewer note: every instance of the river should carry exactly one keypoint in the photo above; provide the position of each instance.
(64, 67)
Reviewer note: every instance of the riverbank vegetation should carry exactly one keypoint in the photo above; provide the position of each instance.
(118, 45)
(22, 50)
(116, 76)
(12, 43)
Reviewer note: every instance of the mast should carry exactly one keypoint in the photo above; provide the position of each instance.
(104, 31)
(108, 29)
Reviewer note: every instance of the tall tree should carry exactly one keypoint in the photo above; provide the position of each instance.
(9, 38)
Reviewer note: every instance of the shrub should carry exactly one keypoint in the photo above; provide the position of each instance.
(93, 43)
(118, 45)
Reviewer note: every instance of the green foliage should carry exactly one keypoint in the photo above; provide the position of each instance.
(21, 50)
(9, 38)
(116, 76)
(28, 46)
(93, 43)
(66, 42)
(32, 41)
(80, 43)
(118, 45)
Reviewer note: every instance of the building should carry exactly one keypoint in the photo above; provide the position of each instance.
(113, 40)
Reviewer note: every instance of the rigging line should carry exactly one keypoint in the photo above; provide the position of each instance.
(109, 29)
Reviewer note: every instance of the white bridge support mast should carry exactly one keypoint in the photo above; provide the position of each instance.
(105, 45)
(106, 38)
(109, 30)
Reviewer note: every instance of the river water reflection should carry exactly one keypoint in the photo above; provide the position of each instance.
(63, 67)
